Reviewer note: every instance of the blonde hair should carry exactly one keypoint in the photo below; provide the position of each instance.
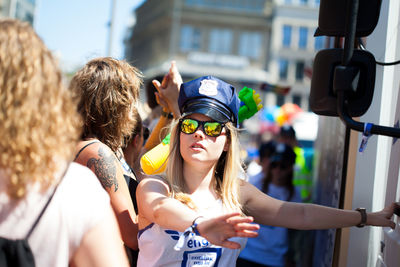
(107, 90)
(225, 180)
(38, 118)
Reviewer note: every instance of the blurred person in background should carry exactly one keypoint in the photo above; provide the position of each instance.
(132, 149)
(133, 145)
(59, 207)
(301, 242)
(152, 103)
(271, 246)
(303, 171)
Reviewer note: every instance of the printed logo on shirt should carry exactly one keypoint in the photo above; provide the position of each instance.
(174, 234)
(204, 257)
(193, 242)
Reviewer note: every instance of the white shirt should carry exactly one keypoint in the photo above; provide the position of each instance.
(156, 247)
(77, 207)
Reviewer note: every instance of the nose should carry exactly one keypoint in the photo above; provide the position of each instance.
(199, 133)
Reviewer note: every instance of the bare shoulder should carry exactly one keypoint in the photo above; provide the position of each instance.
(154, 184)
(101, 160)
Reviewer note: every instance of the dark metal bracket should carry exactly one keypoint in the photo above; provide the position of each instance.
(345, 76)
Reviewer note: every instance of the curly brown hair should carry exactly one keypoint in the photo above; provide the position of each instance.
(107, 90)
(38, 118)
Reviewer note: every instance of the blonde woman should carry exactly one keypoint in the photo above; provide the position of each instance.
(192, 216)
(39, 131)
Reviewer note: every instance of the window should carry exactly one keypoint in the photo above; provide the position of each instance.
(303, 35)
(250, 44)
(280, 100)
(319, 42)
(287, 35)
(254, 6)
(296, 99)
(283, 69)
(190, 38)
(299, 71)
(221, 41)
(303, 2)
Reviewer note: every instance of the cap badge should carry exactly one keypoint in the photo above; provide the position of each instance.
(208, 87)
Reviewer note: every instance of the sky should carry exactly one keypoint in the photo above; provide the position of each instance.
(77, 30)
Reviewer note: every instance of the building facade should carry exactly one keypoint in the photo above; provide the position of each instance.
(293, 48)
(242, 42)
(19, 9)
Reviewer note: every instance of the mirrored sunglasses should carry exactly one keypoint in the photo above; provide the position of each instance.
(210, 128)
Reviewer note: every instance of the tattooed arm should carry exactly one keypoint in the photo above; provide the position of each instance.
(102, 161)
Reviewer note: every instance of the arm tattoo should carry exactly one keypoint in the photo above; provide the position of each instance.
(105, 169)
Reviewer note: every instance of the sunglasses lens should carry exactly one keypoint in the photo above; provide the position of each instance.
(189, 126)
(212, 128)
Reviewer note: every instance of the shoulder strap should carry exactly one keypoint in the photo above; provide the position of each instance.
(47, 204)
(79, 152)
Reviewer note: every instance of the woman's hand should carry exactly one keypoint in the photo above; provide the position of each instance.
(168, 89)
(219, 229)
(383, 217)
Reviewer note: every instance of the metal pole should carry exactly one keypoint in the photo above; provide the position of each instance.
(111, 28)
(12, 9)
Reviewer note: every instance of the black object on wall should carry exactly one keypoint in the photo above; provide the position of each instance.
(346, 76)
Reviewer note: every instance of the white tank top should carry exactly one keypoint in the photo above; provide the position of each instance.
(156, 247)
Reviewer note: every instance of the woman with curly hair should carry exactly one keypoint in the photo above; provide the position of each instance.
(107, 90)
(57, 206)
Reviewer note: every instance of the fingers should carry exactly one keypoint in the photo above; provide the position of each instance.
(240, 219)
(165, 81)
(247, 226)
(174, 72)
(247, 233)
(157, 97)
(161, 101)
(156, 84)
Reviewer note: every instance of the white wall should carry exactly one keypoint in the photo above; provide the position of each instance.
(372, 166)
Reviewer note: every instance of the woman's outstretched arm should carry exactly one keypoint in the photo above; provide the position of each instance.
(269, 211)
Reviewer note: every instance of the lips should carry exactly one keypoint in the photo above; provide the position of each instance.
(197, 145)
